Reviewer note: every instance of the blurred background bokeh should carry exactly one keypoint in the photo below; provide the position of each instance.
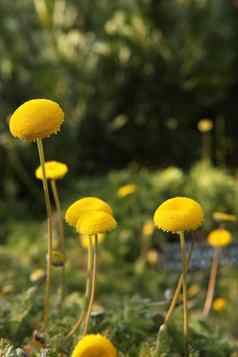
(136, 72)
(134, 78)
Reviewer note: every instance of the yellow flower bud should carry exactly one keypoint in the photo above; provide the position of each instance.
(94, 346)
(36, 119)
(126, 190)
(94, 222)
(219, 238)
(85, 204)
(54, 170)
(179, 214)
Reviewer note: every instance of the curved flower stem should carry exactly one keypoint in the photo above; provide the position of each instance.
(50, 233)
(93, 285)
(212, 282)
(178, 288)
(61, 231)
(88, 289)
(185, 304)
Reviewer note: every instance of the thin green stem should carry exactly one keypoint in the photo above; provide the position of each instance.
(185, 303)
(61, 231)
(50, 234)
(59, 212)
(78, 323)
(178, 288)
(212, 282)
(93, 286)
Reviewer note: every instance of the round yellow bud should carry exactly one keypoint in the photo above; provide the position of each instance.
(152, 256)
(54, 170)
(94, 346)
(219, 304)
(205, 125)
(85, 204)
(148, 228)
(36, 119)
(179, 214)
(126, 190)
(94, 222)
(219, 238)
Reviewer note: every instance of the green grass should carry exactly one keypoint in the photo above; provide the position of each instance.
(132, 293)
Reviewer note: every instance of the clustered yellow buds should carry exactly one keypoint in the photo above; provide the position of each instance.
(84, 205)
(95, 222)
(90, 216)
(34, 120)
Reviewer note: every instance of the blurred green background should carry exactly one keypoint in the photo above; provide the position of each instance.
(133, 76)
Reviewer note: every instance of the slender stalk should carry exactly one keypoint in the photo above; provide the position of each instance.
(178, 288)
(212, 282)
(50, 234)
(185, 303)
(206, 147)
(93, 286)
(61, 231)
(59, 212)
(78, 323)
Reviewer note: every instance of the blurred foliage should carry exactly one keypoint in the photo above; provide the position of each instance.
(133, 291)
(134, 77)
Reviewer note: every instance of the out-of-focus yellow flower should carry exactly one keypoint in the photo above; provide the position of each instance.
(219, 304)
(84, 240)
(219, 238)
(94, 222)
(126, 190)
(54, 170)
(221, 216)
(152, 257)
(179, 214)
(193, 290)
(148, 228)
(37, 275)
(85, 204)
(94, 346)
(36, 119)
(205, 125)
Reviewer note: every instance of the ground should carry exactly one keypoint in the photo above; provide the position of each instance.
(136, 272)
